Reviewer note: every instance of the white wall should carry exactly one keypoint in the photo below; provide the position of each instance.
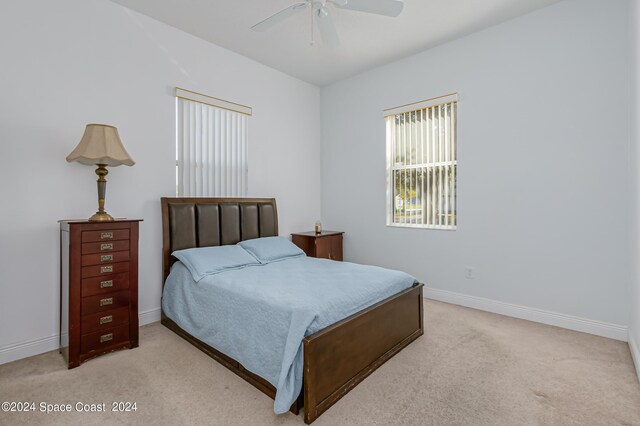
(70, 62)
(543, 162)
(634, 299)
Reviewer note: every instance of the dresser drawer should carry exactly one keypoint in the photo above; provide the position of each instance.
(103, 258)
(103, 320)
(105, 247)
(101, 270)
(105, 302)
(104, 338)
(106, 284)
(108, 235)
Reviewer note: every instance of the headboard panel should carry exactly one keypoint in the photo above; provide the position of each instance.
(204, 222)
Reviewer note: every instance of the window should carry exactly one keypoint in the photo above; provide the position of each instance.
(422, 164)
(211, 146)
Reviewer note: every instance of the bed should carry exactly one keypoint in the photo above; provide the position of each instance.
(335, 358)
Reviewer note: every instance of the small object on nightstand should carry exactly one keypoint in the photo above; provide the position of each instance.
(318, 227)
(98, 288)
(326, 244)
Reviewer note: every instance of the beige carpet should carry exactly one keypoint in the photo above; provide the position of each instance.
(471, 368)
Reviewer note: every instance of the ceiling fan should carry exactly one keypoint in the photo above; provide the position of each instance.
(320, 12)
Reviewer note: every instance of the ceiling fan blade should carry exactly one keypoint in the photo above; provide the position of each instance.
(327, 29)
(379, 7)
(280, 16)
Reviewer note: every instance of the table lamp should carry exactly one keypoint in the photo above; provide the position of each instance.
(101, 146)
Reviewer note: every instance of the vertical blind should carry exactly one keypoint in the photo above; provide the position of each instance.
(211, 148)
(422, 164)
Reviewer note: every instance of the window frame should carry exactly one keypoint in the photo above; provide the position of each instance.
(421, 138)
(211, 146)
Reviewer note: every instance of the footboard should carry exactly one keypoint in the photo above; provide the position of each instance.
(339, 357)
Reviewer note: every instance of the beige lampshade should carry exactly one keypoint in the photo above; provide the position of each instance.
(101, 144)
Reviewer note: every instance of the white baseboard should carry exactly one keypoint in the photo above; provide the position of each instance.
(148, 317)
(635, 352)
(30, 348)
(38, 346)
(599, 328)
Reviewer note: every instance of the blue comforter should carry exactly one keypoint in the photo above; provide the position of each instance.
(260, 314)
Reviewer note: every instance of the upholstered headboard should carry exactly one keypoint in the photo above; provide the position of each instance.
(204, 222)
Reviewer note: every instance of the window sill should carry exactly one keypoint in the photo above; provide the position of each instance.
(434, 227)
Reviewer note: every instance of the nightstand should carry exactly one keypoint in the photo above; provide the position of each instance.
(98, 288)
(326, 245)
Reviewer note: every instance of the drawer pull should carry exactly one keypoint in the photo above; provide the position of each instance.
(104, 269)
(106, 320)
(106, 235)
(107, 301)
(106, 284)
(108, 246)
(106, 337)
(106, 258)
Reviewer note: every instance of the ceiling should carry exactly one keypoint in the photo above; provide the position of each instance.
(366, 40)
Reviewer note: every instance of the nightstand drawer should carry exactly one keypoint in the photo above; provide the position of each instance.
(102, 258)
(105, 302)
(107, 284)
(329, 247)
(99, 270)
(327, 244)
(104, 338)
(106, 235)
(103, 320)
(105, 247)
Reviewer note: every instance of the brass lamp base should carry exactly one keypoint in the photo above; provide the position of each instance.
(101, 217)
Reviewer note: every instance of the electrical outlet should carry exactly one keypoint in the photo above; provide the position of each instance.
(469, 273)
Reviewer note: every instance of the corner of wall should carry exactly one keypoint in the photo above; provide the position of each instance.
(634, 150)
(635, 352)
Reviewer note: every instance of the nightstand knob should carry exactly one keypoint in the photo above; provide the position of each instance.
(106, 235)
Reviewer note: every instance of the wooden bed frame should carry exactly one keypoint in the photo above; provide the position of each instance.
(336, 358)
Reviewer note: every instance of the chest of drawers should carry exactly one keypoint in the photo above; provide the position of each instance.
(98, 288)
